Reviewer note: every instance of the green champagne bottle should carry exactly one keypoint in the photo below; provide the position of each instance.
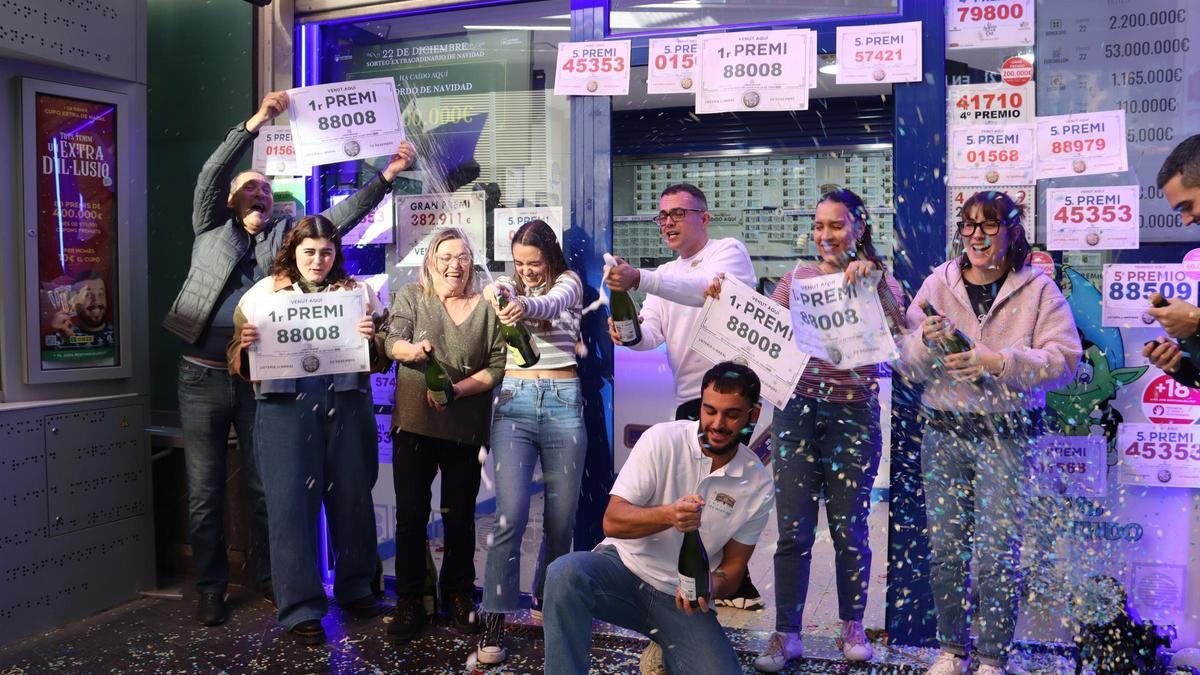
(693, 568)
(520, 343)
(624, 312)
(955, 343)
(436, 381)
(1190, 345)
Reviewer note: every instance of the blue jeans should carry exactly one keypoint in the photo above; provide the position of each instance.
(210, 400)
(588, 585)
(533, 418)
(821, 447)
(974, 503)
(316, 447)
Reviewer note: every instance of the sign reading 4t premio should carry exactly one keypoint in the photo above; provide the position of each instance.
(302, 334)
(1081, 145)
(768, 70)
(672, 66)
(274, 154)
(419, 216)
(508, 221)
(744, 324)
(598, 68)
(1160, 455)
(1071, 466)
(842, 324)
(990, 103)
(344, 121)
(1097, 218)
(991, 154)
(1127, 290)
(989, 23)
(883, 53)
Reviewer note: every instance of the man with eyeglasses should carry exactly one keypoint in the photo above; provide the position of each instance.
(1179, 180)
(675, 294)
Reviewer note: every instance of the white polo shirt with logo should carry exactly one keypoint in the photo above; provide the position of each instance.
(666, 465)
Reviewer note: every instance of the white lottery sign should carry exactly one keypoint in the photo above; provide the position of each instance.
(419, 216)
(841, 324)
(958, 195)
(766, 70)
(599, 68)
(1081, 145)
(342, 121)
(506, 222)
(1127, 289)
(1098, 218)
(1159, 455)
(745, 325)
(991, 154)
(672, 66)
(989, 23)
(274, 154)
(990, 104)
(881, 53)
(375, 228)
(303, 334)
(1071, 466)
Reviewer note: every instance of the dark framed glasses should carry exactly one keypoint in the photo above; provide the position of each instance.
(967, 228)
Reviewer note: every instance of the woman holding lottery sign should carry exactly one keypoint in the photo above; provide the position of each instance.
(827, 441)
(317, 443)
(450, 354)
(539, 417)
(990, 335)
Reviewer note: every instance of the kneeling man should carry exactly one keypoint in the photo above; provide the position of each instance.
(681, 476)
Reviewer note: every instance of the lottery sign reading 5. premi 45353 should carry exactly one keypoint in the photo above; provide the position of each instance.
(1127, 290)
(344, 121)
(1160, 455)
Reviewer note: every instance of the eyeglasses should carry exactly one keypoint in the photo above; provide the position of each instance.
(462, 258)
(990, 227)
(676, 214)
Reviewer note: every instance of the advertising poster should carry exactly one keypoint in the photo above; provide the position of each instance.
(76, 173)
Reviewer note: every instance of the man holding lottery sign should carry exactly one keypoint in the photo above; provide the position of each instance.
(236, 238)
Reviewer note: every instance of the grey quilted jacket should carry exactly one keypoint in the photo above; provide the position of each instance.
(221, 241)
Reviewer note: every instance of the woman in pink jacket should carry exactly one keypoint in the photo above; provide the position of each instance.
(983, 407)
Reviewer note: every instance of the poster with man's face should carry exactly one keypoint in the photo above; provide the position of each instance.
(77, 205)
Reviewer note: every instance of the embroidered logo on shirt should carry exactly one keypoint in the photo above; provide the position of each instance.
(723, 503)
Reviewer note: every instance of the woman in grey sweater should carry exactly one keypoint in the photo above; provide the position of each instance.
(442, 318)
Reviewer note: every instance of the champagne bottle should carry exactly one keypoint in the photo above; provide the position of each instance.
(624, 313)
(520, 343)
(1190, 344)
(956, 342)
(693, 568)
(437, 381)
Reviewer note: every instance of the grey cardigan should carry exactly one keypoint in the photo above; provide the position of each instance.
(462, 350)
(221, 241)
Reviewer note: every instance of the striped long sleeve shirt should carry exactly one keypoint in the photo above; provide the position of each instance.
(552, 317)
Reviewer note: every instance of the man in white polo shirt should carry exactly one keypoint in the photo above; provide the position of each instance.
(675, 295)
(681, 476)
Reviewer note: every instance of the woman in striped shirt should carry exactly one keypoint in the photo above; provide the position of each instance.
(538, 415)
(827, 440)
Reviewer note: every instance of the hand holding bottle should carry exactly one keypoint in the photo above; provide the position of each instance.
(411, 352)
(685, 513)
(971, 365)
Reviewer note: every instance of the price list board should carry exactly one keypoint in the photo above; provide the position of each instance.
(1139, 58)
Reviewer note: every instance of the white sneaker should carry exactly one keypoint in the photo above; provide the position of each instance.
(651, 662)
(781, 648)
(947, 664)
(988, 669)
(854, 643)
